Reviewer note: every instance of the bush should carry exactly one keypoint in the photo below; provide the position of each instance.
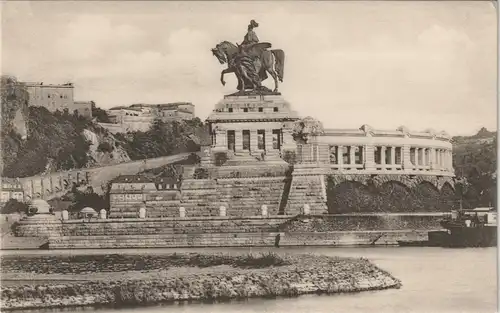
(14, 206)
(201, 173)
(220, 158)
(105, 147)
(290, 157)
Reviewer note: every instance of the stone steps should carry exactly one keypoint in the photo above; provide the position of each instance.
(306, 190)
(164, 241)
(170, 226)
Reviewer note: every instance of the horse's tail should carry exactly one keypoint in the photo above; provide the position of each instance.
(279, 56)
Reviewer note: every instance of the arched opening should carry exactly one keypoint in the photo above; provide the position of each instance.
(394, 196)
(349, 197)
(426, 197)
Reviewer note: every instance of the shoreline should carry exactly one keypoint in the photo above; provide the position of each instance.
(289, 276)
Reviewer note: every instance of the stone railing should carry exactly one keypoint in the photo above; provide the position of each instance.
(369, 151)
(54, 185)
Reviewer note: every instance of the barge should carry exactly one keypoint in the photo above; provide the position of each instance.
(465, 228)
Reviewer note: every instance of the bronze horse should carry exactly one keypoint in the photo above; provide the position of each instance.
(250, 65)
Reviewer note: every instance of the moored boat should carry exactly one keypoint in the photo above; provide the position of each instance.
(465, 228)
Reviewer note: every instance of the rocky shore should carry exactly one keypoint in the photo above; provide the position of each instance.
(118, 280)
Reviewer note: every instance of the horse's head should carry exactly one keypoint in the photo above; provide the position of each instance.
(224, 51)
(219, 54)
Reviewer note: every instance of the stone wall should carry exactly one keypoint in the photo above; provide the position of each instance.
(350, 238)
(364, 222)
(54, 185)
(38, 227)
(152, 226)
(168, 232)
(265, 239)
(246, 196)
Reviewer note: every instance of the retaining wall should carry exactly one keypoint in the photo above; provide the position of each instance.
(329, 230)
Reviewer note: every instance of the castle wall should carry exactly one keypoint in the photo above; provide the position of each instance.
(52, 97)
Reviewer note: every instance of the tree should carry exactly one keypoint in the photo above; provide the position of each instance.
(13, 206)
(100, 115)
(474, 160)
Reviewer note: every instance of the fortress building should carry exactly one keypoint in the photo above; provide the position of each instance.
(11, 189)
(56, 97)
(140, 117)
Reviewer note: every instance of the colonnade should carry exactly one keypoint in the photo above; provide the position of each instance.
(377, 156)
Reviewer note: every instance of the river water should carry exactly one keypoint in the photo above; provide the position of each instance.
(434, 280)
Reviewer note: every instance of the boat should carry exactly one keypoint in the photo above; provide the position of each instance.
(471, 228)
(464, 228)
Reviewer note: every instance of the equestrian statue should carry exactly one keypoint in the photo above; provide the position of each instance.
(251, 61)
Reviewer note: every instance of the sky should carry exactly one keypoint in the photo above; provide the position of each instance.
(348, 63)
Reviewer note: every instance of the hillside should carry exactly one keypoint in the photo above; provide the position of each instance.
(36, 141)
(475, 161)
(164, 138)
(57, 141)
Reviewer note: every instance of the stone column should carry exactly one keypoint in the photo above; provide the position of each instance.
(369, 156)
(253, 140)
(405, 157)
(352, 155)
(263, 210)
(432, 152)
(221, 140)
(102, 214)
(451, 160)
(268, 135)
(238, 138)
(340, 156)
(288, 142)
(222, 211)
(382, 155)
(424, 157)
(439, 159)
(42, 191)
(393, 156)
(306, 209)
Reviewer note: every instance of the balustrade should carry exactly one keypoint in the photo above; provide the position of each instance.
(378, 158)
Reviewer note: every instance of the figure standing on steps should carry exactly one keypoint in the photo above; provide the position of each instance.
(277, 241)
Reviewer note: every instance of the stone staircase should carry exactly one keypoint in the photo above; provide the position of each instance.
(307, 189)
(199, 197)
(245, 196)
(260, 239)
(169, 232)
(163, 204)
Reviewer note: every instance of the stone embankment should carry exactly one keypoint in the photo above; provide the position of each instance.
(117, 280)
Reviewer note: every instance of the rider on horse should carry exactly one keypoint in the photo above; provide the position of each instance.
(250, 44)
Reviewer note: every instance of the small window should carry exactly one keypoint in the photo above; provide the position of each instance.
(275, 109)
(61, 96)
(245, 110)
(48, 96)
(261, 109)
(230, 110)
